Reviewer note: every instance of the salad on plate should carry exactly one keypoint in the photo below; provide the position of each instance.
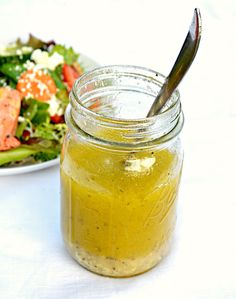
(35, 80)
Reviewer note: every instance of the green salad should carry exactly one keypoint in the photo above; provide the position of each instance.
(35, 80)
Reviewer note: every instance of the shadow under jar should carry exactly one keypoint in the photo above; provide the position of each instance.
(120, 171)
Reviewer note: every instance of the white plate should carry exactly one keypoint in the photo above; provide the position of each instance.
(87, 64)
(28, 168)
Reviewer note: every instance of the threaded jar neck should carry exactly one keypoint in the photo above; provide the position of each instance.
(111, 103)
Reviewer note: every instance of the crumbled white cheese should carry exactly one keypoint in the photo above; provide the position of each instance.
(54, 107)
(18, 52)
(29, 65)
(29, 95)
(39, 56)
(28, 85)
(55, 60)
(21, 119)
(139, 165)
(43, 60)
(17, 68)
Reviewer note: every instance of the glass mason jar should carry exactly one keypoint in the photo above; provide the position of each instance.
(120, 171)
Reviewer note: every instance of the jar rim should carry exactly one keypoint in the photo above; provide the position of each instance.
(122, 120)
(134, 130)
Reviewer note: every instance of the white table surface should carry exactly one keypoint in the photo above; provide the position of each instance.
(202, 264)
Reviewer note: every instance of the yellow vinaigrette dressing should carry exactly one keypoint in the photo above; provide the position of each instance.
(119, 176)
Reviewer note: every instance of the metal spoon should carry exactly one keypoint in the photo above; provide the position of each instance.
(182, 64)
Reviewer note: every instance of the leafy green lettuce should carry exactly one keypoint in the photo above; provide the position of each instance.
(34, 113)
(12, 71)
(38, 151)
(57, 77)
(51, 131)
(70, 56)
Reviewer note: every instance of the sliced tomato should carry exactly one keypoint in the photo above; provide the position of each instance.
(36, 84)
(57, 119)
(70, 74)
(26, 134)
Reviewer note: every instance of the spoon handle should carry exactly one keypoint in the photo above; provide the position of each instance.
(182, 64)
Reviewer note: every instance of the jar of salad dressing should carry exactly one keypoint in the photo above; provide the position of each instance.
(120, 171)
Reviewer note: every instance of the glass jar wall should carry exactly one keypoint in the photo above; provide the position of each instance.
(120, 171)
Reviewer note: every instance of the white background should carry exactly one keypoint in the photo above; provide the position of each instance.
(202, 264)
